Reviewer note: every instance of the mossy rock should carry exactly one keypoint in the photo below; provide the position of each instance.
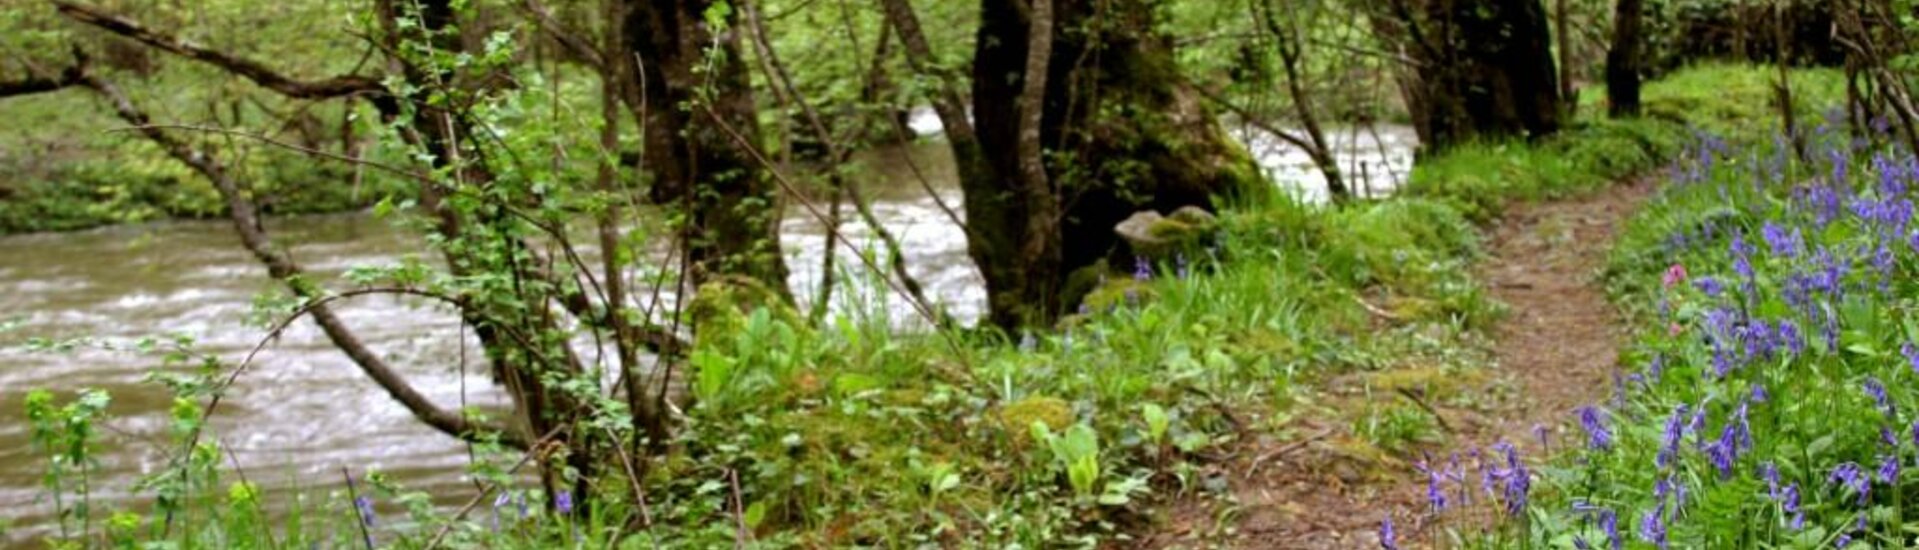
(723, 304)
(1161, 238)
(1018, 417)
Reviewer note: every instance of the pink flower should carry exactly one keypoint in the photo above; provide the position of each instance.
(1673, 329)
(1674, 275)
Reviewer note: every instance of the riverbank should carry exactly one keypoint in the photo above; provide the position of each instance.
(1356, 331)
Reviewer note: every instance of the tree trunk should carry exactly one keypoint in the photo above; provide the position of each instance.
(1119, 131)
(686, 104)
(1623, 61)
(1484, 69)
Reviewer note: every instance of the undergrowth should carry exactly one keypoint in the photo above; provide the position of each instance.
(848, 433)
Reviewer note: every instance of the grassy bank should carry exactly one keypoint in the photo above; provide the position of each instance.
(848, 434)
(1764, 395)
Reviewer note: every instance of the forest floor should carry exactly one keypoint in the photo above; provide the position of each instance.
(1554, 350)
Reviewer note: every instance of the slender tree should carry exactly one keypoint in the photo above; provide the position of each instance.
(1623, 60)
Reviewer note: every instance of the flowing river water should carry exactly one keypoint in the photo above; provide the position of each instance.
(304, 411)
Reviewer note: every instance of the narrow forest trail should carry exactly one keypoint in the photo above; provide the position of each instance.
(1555, 350)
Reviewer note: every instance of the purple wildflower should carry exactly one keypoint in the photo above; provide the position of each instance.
(1789, 502)
(563, 502)
(1780, 242)
(1652, 526)
(1388, 540)
(1710, 286)
(1142, 270)
(1889, 469)
(1609, 524)
(1675, 427)
(1878, 392)
(1724, 452)
(1789, 335)
(1435, 486)
(1850, 475)
(1912, 355)
(364, 506)
(1597, 435)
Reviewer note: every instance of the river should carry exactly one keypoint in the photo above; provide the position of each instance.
(304, 411)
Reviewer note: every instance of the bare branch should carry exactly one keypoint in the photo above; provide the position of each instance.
(567, 39)
(34, 84)
(339, 86)
(246, 222)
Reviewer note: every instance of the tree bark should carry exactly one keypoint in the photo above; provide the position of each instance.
(728, 205)
(1119, 132)
(1482, 68)
(1623, 60)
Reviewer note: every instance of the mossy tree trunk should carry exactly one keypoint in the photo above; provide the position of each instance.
(1119, 133)
(695, 107)
(1481, 68)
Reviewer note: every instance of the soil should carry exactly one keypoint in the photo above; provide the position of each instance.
(1554, 350)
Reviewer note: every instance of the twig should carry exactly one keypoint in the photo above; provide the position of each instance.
(1286, 449)
(1423, 405)
(739, 511)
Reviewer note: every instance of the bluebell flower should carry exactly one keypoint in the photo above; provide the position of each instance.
(1849, 475)
(1388, 540)
(1795, 342)
(1781, 243)
(1758, 393)
(1609, 524)
(1435, 486)
(1675, 431)
(1878, 392)
(1652, 526)
(1889, 469)
(1709, 285)
(1597, 435)
(1912, 356)
(1723, 452)
(1789, 502)
(365, 507)
(1142, 270)
(563, 502)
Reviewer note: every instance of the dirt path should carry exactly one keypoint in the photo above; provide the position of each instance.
(1555, 350)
